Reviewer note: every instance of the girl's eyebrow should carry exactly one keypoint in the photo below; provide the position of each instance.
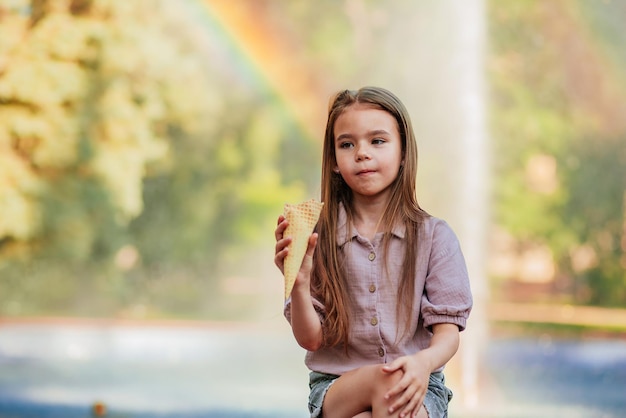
(344, 136)
(370, 133)
(378, 132)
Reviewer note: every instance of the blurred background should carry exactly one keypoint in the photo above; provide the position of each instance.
(147, 148)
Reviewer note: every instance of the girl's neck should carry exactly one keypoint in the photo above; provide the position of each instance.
(368, 217)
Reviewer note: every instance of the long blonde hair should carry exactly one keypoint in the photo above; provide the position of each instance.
(329, 282)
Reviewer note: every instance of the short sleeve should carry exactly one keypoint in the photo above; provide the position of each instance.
(447, 296)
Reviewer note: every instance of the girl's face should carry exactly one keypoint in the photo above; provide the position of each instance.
(368, 150)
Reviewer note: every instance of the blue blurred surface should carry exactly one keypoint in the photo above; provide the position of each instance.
(60, 370)
(550, 378)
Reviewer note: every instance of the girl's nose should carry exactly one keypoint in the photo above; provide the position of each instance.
(362, 154)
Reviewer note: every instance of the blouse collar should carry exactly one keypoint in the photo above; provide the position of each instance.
(347, 232)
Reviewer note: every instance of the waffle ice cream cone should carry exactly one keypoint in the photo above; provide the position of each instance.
(302, 220)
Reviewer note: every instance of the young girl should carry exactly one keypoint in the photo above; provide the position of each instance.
(383, 290)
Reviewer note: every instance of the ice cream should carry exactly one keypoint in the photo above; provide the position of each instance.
(302, 220)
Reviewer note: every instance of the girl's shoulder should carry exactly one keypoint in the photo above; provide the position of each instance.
(437, 229)
(431, 223)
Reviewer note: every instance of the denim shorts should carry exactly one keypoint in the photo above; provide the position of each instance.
(436, 400)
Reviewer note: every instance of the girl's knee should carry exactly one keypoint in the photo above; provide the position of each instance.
(373, 384)
(384, 381)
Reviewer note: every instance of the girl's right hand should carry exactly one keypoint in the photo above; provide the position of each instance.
(281, 243)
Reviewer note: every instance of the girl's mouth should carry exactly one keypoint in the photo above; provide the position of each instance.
(364, 172)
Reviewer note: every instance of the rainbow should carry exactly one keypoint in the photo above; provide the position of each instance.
(253, 52)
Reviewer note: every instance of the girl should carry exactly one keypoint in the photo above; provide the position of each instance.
(383, 290)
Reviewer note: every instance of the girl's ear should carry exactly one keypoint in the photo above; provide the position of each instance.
(336, 169)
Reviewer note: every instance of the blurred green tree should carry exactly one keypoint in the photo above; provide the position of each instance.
(558, 126)
(118, 148)
(85, 96)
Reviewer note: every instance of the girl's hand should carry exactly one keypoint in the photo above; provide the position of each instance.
(281, 244)
(409, 392)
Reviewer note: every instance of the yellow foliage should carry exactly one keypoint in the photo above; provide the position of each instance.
(58, 147)
(86, 106)
(12, 28)
(48, 139)
(42, 82)
(122, 172)
(62, 37)
(19, 212)
(125, 141)
(109, 80)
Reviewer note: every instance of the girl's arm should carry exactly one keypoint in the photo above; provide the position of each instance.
(409, 392)
(305, 322)
(443, 346)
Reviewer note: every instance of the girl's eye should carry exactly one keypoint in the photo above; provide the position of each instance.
(378, 141)
(345, 145)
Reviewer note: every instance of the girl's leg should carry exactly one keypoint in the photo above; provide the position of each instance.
(360, 391)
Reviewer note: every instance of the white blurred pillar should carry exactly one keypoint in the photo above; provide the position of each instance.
(473, 191)
(431, 53)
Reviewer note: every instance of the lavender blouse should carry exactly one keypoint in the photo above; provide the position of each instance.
(442, 295)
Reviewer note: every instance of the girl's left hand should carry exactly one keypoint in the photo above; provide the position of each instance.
(281, 243)
(409, 392)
